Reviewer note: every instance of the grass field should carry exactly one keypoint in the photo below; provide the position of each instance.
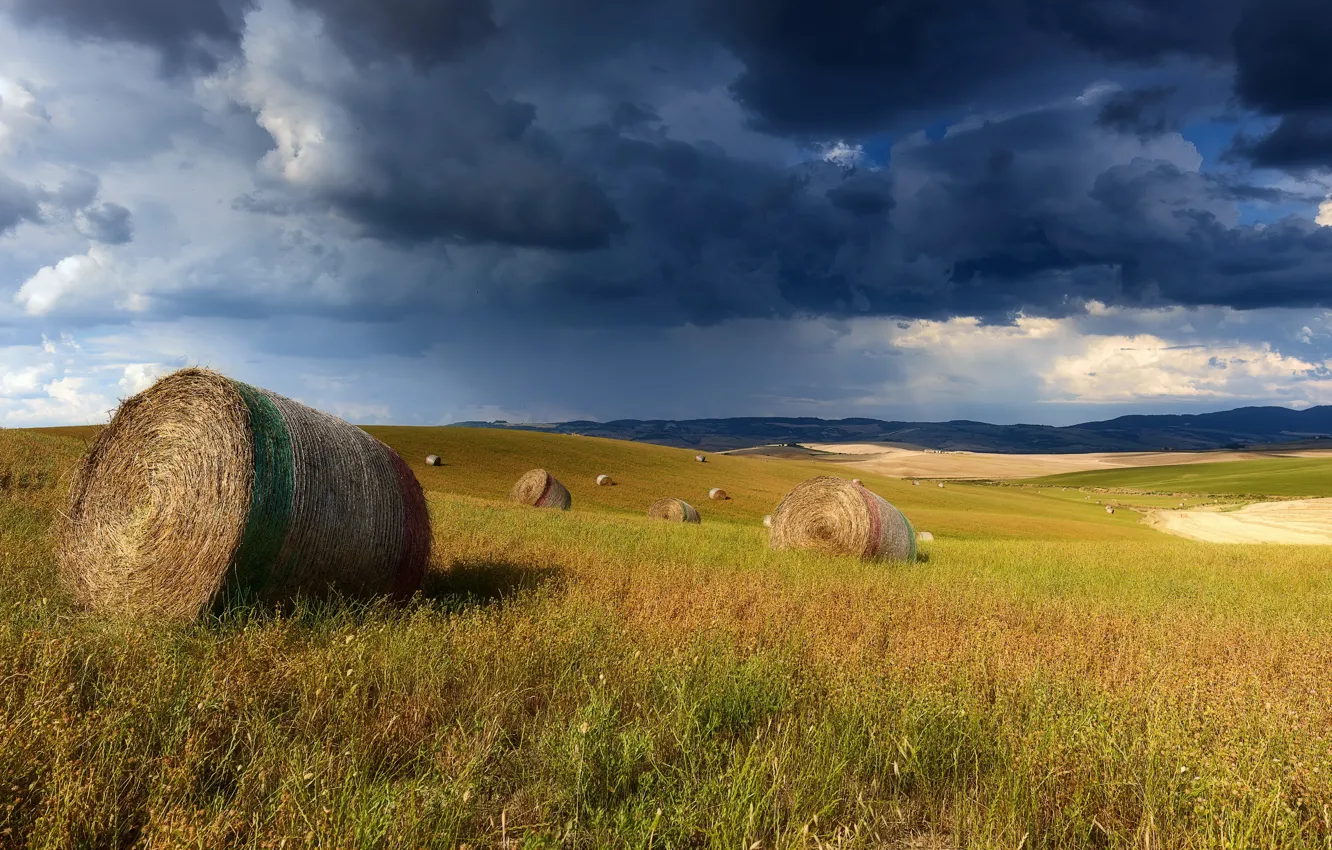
(1051, 677)
(1290, 477)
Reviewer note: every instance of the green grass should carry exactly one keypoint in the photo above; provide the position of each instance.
(1285, 476)
(1052, 678)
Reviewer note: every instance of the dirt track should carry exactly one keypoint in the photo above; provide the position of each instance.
(913, 463)
(1307, 521)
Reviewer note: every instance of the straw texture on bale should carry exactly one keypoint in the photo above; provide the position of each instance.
(432, 460)
(832, 515)
(204, 490)
(718, 494)
(925, 537)
(540, 489)
(673, 510)
(605, 481)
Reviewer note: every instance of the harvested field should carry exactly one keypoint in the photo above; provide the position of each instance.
(1303, 522)
(909, 463)
(1053, 677)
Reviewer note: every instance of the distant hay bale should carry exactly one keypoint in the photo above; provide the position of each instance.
(924, 537)
(718, 494)
(767, 520)
(540, 489)
(915, 483)
(1109, 509)
(855, 481)
(673, 510)
(203, 491)
(700, 459)
(827, 514)
(605, 481)
(433, 460)
(941, 485)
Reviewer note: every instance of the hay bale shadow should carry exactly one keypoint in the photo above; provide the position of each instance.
(487, 581)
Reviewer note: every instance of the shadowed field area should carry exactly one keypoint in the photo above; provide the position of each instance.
(1053, 677)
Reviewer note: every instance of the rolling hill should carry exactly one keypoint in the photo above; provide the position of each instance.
(1244, 426)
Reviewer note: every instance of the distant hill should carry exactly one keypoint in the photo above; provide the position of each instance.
(1245, 426)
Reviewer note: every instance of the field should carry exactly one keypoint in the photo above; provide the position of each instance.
(1053, 676)
(1292, 477)
(904, 462)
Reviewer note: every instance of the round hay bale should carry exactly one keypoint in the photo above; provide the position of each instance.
(924, 537)
(855, 481)
(203, 490)
(605, 481)
(700, 459)
(718, 494)
(767, 520)
(827, 514)
(941, 485)
(1109, 509)
(433, 460)
(915, 483)
(540, 489)
(673, 510)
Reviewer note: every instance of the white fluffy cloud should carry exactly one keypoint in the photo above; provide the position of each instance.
(77, 278)
(1157, 356)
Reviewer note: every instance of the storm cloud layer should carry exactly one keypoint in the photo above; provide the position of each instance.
(588, 165)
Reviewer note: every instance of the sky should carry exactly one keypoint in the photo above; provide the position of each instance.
(1043, 211)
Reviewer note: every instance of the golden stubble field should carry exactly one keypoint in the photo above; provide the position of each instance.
(1053, 676)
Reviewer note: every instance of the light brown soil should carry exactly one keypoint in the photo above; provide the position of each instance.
(914, 463)
(1307, 521)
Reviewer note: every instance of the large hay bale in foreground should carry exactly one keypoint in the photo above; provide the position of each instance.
(203, 490)
(540, 489)
(605, 481)
(673, 510)
(827, 514)
(718, 494)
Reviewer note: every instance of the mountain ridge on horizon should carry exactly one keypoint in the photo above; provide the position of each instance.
(1241, 426)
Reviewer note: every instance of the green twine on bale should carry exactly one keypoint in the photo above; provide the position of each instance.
(256, 565)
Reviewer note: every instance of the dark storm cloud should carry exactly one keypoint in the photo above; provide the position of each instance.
(430, 32)
(108, 223)
(1282, 69)
(1141, 112)
(17, 203)
(538, 136)
(856, 66)
(190, 34)
(438, 160)
(1300, 142)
